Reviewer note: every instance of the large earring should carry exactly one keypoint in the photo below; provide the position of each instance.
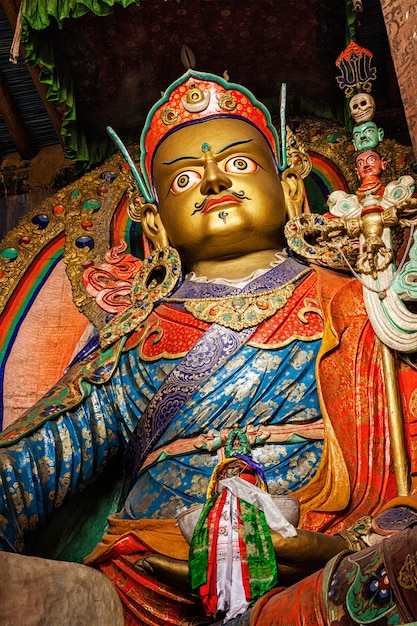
(156, 279)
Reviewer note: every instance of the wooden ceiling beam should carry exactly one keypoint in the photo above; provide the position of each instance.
(11, 11)
(54, 116)
(15, 124)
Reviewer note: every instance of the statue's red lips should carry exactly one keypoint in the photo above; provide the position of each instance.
(214, 203)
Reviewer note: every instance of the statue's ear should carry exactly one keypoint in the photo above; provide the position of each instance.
(294, 192)
(152, 226)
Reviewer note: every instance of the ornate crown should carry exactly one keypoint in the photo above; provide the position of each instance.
(198, 96)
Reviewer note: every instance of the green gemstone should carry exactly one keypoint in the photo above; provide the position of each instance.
(9, 253)
(238, 302)
(92, 204)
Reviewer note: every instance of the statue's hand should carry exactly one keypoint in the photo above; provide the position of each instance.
(297, 557)
(171, 571)
(300, 556)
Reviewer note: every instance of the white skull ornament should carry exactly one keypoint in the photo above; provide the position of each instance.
(362, 107)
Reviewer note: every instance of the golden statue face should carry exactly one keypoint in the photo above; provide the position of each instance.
(219, 193)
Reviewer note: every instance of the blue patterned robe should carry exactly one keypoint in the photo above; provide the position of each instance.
(258, 387)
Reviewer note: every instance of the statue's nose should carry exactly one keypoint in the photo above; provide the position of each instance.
(214, 180)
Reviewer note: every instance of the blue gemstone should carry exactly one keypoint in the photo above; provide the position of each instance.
(85, 242)
(41, 221)
(108, 176)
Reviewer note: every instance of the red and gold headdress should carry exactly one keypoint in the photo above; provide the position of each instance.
(196, 97)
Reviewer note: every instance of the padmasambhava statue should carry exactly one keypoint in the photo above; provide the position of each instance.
(241, 381)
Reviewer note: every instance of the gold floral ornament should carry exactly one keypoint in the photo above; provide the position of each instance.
(297, 155)
(169, 116)
(227, 102)
(134, 204)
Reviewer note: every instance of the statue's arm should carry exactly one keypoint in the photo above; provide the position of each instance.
(62, 456)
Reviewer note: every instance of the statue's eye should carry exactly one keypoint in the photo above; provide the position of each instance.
(240, 165)
(185, 181)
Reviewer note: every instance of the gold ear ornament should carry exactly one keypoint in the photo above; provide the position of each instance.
(135, 204)
(294, 192)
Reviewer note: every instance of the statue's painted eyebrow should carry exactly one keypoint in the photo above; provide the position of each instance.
(231, 145)
(187, 158)
(181, 158)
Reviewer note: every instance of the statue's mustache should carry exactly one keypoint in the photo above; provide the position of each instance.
(199, 206)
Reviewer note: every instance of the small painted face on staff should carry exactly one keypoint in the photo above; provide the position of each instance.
(367, 136)
(370, 163)
(219, 193)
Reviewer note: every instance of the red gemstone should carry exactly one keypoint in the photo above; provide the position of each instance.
(59, 209)
(103, 190)
(24, 240)
(86, 224)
